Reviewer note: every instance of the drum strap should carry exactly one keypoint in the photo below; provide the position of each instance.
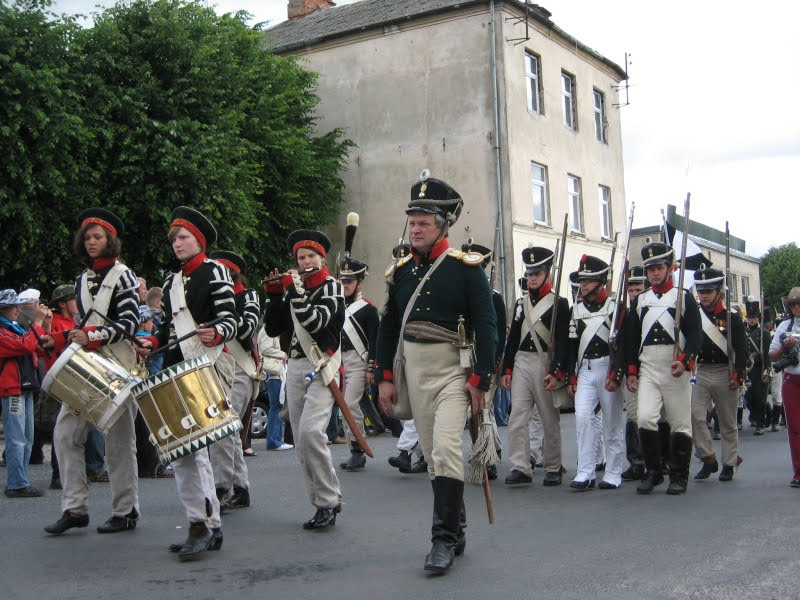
(184, 323)
(314, 354)
(243, 358)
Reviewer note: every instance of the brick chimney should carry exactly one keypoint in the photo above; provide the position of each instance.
(301, 8)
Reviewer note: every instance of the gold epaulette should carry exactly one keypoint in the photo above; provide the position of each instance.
(396, 264)
(472, 259)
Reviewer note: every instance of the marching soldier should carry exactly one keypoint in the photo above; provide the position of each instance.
(359, 335)
(661, 378)
(758, 342)
(231, 478)
(528, 375)
(593, 379)
(637, 283)
(715, 382)
(311, 306)
(432, 291)
(109, 287)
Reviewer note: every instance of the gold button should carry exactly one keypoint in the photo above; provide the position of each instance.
(427, 293)
(417, 310)
(428, 308)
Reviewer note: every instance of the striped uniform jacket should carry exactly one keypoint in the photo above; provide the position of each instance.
(123, 308)
(320, 311)
(248, 310)
(209, 294)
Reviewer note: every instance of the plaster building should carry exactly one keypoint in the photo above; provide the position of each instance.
(491, 96)
(745, 269)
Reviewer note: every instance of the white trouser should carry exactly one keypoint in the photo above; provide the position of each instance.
(590, 392)
(355, 380)
(310, 407)
(536, 433)
(775, 384)
(600, 446)
(227, 458)
(194, 480)
(69, 438)
(409, 440)
(658, 390)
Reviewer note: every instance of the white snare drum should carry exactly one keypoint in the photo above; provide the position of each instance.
(91, 384)
(185, 408)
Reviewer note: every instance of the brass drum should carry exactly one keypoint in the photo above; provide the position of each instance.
(91, 384)
(185, 408)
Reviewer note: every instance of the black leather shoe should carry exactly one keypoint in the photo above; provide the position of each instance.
(402, 461)
(676, 486)
(727, 473)
(239, 499)
(421, 466)
(795, 483)
(440, 558)
(707, 469)
(216, 542)
(324, 517)
(116, 523)
(649, 481)
(517, 477)
(67, 521)
(199, 540)
(101, 477)
(604, 485)
(633, 473)
(26, 492)
(582, 485)
(551, 479)
(356, 462)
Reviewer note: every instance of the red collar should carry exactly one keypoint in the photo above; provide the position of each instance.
(668, 285)
(98, 264)
(719, 307)
(437, 250)
(192, 264)
(316, 279)
(238, 287)
(599, 297)
(542, 291)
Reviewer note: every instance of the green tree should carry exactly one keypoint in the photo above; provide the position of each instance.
(780, 272)
(185, 107)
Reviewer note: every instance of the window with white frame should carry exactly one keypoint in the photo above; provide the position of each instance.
(745, 287)
(539, 193)
(568, 95)
(533, 81)
(600, 121)
(575, 203)
(734, 289)
(606, 223)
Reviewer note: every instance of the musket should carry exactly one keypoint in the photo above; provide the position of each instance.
(622, 296)
(610, 279)
(553, 321)
(679, 308)
(729, 343)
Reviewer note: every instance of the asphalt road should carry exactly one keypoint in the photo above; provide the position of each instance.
(720, 540)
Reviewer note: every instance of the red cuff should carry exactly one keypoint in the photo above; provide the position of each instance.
(558, 374)
(474, 380)
(688, 363)
(277, 287)
(215, 342)
(388, 375)
(633, 370)
(738, 377)
(573, 380)
(509, 372)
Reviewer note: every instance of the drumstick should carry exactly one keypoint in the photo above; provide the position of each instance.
(39, 341)
(85, 319)
(186, 337)
(119, 328)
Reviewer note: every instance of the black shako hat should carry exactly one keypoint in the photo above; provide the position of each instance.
(574, 281)
(350, 269)
(436, 197)
(196, 223)
(478, 249)
(636, 275)
(752, 308)
(309, 238)
(657, 253)
(230, 259)
(103, 217)
(708, 279)
(592, 268)
(536, 259)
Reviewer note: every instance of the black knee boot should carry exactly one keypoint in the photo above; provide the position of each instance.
(448, 498)
(664, 430)
(633, 453)
(651, 449)
(357, 460)
(680, 457)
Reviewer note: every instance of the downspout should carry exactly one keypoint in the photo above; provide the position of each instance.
(499, 233)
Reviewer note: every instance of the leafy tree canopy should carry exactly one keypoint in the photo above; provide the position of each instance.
(160, 103)
(780, 272)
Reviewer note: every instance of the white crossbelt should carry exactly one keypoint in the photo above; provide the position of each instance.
(593, 322)
(328, 366)
(351, 328)
(713, 333)
(533, 320)
(184, 323)
(658, 313)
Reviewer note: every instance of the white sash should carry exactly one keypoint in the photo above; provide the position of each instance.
(184, 323)
(243, 358)
(533, 320)
(658, 313)
(713, 333)
(351, 328)
(122, 350)
(594, 322)
(314, 354)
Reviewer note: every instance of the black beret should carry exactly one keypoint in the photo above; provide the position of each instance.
(309, 238)
(104, 218)
(230, 260)
(196, 222)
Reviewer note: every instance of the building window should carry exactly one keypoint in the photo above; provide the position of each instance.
(734, 289)
(606, 224)
(575, 204)
(745, 287)
(600, 121)
(539, 193)
(568, 94)
(534, 82)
